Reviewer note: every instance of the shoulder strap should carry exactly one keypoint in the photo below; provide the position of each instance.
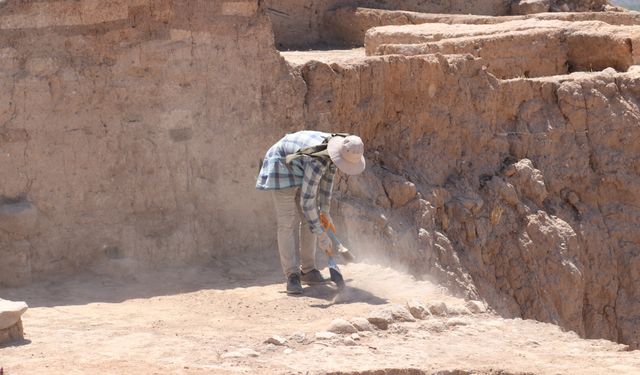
(314, 151)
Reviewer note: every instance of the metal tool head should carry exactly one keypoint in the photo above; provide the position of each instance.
(337, 278)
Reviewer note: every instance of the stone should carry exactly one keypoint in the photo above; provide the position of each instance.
(399, 190)
(398, 329)
(362, 324)
(11, 312)
(381, 318)
(325, 335)
(457, 310)
(341, 326)
(505, 189)
(476, 307)
(288, 351)
(348, 341)
(12, 334)
(276, 340)
(418, 310)
(401, 314)
(298, 337)
(530, 181)
(521, 7)
(437, 308)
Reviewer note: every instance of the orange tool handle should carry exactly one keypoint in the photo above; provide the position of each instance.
(326, 223)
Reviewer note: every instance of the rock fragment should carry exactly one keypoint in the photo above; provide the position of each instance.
(476, 307)
(523, 7)
(13, 333)
(418, 310)
(11, 312)
(399, 190)
(276, 340)
(457, 310)
(298, 337)
(341, 326)
(437, 308)
(529, 181)
(348, 341)
(362, 324)
(10, 320)
(381, 318)
(401, 314)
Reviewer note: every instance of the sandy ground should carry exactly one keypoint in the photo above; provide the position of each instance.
(326, 56)
(188, 321)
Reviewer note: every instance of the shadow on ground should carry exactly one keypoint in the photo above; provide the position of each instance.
(348, 295)
(219, 274)
(17, 343)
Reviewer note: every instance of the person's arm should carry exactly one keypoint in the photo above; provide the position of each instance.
(325, 189)
(314, 169)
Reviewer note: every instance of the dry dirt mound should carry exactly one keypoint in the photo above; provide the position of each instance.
(202, 321)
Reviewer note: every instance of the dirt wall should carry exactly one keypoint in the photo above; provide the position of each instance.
(523, 188)
(300, 24)
(131, 133)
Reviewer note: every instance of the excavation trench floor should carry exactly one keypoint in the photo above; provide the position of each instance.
(296, 58)
(195, 321)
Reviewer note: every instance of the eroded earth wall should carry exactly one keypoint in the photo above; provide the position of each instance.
(521, 190)
(131, 132)
(301, 24)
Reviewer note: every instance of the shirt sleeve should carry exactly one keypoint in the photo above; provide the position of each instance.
(325, 189)
(314, 169)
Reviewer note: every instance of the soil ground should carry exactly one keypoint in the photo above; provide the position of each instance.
(185, 321)
(326, 56)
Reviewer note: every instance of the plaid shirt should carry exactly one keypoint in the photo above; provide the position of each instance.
(314, 175)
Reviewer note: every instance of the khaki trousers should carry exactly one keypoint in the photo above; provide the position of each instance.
(296, 242)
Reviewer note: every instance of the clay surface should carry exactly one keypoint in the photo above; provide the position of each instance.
(195, 321)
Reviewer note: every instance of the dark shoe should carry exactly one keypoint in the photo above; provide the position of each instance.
(293, 284)
(313, 277)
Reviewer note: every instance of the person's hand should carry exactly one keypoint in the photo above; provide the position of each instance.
(324, 243)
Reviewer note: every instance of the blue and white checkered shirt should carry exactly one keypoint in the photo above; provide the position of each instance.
(314, 175)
